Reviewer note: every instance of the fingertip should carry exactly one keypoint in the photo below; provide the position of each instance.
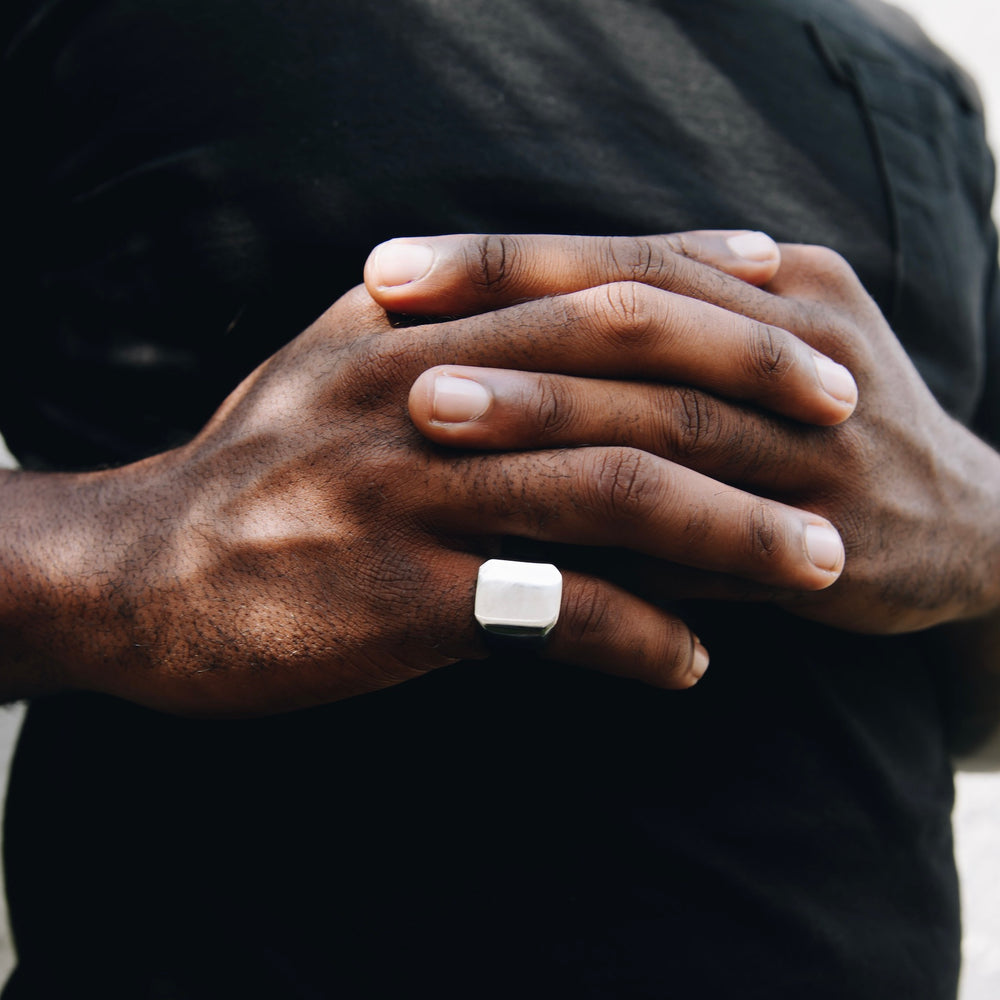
(825, 550)
(756, 257)
(608, 629)
(443, 399)
(458, 399)
(837, 382)
(751, 256)
(397, 263)
(699, 662)
(683, 679)
(755, 247)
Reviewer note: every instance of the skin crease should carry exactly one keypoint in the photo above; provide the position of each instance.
(309, 544)
(888, 477)
(913, 493)
(242, 574)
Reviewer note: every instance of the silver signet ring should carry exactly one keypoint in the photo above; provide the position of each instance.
(518, 599)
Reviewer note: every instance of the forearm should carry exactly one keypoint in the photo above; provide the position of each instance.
(56, 594)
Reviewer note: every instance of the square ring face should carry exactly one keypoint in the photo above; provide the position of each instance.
(518, 598)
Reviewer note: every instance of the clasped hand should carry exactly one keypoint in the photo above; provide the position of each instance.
(720, 384)
(316, 541)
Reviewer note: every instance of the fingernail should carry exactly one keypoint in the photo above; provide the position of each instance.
(753, 246)
(836, 379)
(824, 547)
(397, 263)
(458, 400)
(699, 661)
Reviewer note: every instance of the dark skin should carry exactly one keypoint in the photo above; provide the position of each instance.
(913, 493)
(246, 573)
(309, 544)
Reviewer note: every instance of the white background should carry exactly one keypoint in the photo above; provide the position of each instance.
(970, 30)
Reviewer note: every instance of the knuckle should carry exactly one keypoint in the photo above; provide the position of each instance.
(387, 372)
(808, 320)
(357, 302)
(354, 315)
(377, 374)
(703, 436)
(493, 263)
(552, 411)
(624, 482)
(831, 279)
(768, 356)
(854, 454)
(587, 607)
(763, 532)
(825, 328)
(673, 659)
(844, 342)
(696, 429)
(684, 245)
(832, 266)
(627, 312)
(643, 259)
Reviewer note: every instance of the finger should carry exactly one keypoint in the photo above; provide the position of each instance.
(827, 306)
(660, 582)
(603, 627)
(460, 275)
(629, 330)
(631, 499)
(466, 274)
(606, 628)
(504, 410)
(814, 273)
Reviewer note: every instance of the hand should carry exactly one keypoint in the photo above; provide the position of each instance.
(913, 493)
(310, 545)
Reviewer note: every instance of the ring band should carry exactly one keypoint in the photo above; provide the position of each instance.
(518, 600)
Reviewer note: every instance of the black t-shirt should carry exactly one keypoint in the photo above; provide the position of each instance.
(189, 184)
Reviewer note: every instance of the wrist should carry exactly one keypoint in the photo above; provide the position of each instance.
(64, 613)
